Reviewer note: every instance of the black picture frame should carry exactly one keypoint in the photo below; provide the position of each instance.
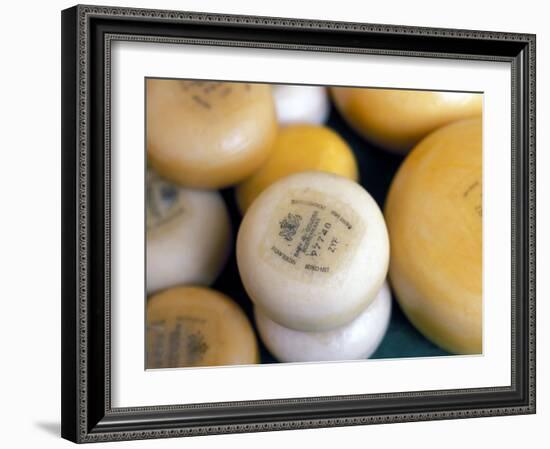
(87, 415)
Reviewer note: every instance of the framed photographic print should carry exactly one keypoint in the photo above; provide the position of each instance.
(277, 224)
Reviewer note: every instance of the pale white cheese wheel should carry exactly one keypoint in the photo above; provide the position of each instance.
(313, 251)
(301, 104)
(188, 235)
(356, 340)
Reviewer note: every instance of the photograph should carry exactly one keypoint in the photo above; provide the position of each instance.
(302, 223)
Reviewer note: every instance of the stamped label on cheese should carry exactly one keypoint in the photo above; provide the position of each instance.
(180, 342)
(207, 95)
(311, 235)
(473, 196)
(471, 204)
(164, 202)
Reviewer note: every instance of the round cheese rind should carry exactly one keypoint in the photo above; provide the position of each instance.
(188, 234)
(205, 134)
(197, 326)
(398, 119)
(434, 217)
(301, 104)
(356, 340)
(312, 251)
(299, 148)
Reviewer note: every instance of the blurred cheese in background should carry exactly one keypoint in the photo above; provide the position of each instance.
(312, 251)
(301, 104)
(356, 340)
(195, 326)
(188, 234)
(206, 134)
(299, 148)
(434, 217)
(398, 119)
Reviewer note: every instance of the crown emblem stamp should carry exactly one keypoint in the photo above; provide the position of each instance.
(289, 225)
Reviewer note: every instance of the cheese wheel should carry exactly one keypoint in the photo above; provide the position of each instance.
(188, 234)
(312, 251)
(398, 119)
(196, 326)
(301, 104)
(207, 134)
(356, 340)
(434, 217)
(299, 148)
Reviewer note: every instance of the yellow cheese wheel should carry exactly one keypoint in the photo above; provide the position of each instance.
(197, 326)
(398, 119)
(434, 218)
(208, 134)
(299, 148)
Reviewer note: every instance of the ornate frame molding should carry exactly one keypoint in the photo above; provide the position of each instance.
(85, 418)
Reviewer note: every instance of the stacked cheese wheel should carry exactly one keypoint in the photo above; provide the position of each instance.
(358, 339)
(313, 252)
